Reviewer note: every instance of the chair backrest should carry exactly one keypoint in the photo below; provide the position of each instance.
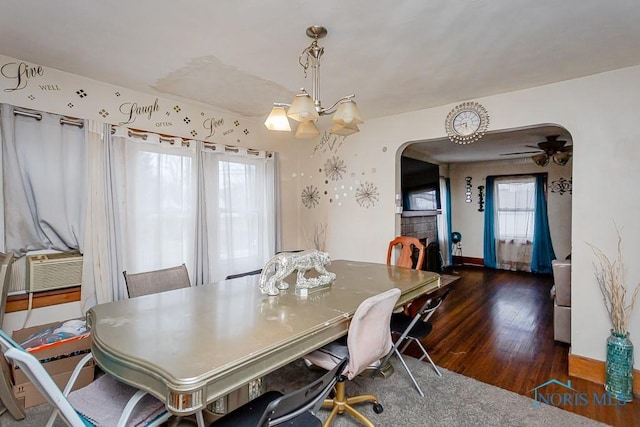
(369, 337)
(248, 273)
(151, 282)
(5, 281)
(430, 306)
(405, 259)
(562, 281)
(34, 370)
(307, 398)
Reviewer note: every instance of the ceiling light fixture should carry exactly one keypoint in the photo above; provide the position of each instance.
(306, 109)
(553, 149)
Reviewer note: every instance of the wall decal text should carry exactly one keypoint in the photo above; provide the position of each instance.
(20, 73)
(132, 110)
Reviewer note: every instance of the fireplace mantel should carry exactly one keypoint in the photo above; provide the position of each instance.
(409, 214)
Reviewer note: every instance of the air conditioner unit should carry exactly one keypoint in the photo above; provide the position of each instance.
(53, 271)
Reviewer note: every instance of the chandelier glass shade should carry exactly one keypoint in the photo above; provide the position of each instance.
(277, 119)
(307, 109)
(307, 129)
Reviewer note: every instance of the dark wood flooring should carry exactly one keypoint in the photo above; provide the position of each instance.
(497, 327)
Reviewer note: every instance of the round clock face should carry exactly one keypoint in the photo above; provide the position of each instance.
(467, 123)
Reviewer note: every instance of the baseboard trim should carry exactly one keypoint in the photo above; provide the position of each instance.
(594, 370)
(461, 260)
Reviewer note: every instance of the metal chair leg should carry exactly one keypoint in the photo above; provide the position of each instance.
(424, 351)
(409, 372)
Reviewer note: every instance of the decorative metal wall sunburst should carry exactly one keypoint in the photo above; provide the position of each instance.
(367, 194)
(334, 168)
(310, 196)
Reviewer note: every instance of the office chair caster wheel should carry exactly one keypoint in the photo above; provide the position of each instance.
(377, 408)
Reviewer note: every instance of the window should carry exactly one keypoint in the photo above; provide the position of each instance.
(516, 226)
(515, 208)
(239, 200)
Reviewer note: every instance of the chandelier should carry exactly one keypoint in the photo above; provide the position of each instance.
(306, 109)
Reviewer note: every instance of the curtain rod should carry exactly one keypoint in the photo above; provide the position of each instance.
(38, 116)
(143, 135)
(234, 149)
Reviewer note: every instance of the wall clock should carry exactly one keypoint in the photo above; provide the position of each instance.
(466, 123)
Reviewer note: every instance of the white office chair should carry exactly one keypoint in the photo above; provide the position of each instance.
(368, 340)
(103, 402)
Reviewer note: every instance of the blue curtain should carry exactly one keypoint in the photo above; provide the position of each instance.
(489, 224)
(447, 184)
(542, 247)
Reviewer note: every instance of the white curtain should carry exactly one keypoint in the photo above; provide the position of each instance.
(96, 261)
(515, 210)
(134, 201)
(239, 210)
(444, 234)
(155, 191)
(44, 168)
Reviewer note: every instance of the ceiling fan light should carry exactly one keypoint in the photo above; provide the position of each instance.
(307, 130)
(277, 119)
(344, 129)
(302, 108)
(348, 113)
(561, 158)
(541, 160)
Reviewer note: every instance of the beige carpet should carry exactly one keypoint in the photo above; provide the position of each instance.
(451, 400)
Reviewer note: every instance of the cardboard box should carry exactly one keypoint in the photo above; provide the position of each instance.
(59, 359)
(28, 395)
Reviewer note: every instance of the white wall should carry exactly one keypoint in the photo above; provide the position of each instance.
(39, 316)
(599, 111)
(466, 219)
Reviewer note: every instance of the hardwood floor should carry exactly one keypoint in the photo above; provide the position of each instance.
(497, 327)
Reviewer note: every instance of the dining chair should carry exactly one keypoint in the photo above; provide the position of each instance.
(6, 395)
(293, 409)
(407, 258)
(407, 246)
(151, 282)
(368, 340)
(155, 281)
(6, 260)
(414, 329)
(103, 402)
(247, 273)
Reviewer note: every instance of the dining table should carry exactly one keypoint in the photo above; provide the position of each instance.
(189, 347)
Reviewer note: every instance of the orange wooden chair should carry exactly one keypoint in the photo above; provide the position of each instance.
(407, 245)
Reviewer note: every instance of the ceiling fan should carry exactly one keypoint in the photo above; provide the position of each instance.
(552, 148)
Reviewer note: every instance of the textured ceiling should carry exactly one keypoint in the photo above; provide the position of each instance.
(396, 56)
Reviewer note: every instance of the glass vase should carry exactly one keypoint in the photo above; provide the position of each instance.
(619, 367)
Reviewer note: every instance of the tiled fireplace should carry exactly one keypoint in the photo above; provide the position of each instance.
(420, 226)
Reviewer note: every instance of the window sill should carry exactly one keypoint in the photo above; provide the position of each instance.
(43, 299)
